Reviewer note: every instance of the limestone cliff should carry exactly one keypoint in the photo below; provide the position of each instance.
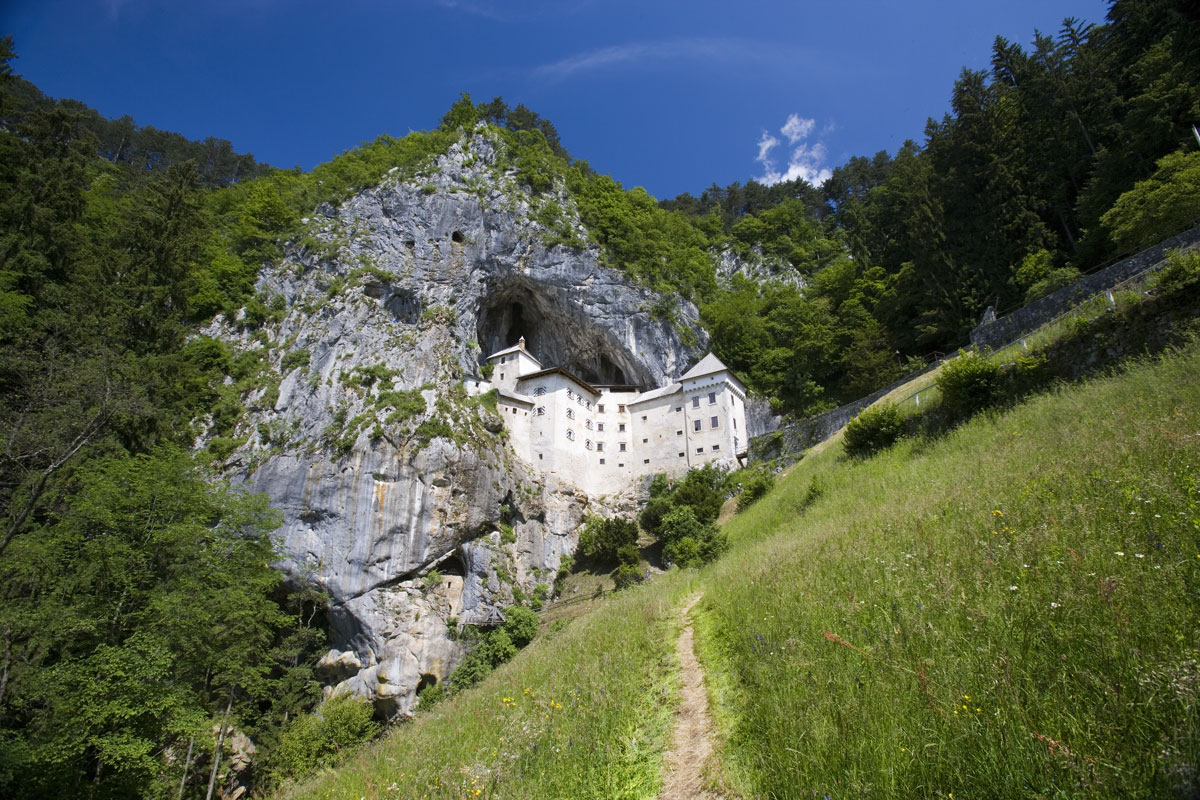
(389, 472)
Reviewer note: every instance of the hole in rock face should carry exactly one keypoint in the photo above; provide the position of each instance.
(452, 566)
(556, 334)
(405, 306)
(457, 237)
(411, 244)
(426, 681)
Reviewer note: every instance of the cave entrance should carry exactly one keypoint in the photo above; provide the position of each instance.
(556, 333)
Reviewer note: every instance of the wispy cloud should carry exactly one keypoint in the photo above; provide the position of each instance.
(514, 10)
(805, 160)
(712, 50)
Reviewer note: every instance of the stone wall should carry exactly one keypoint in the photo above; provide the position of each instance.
(994, 332)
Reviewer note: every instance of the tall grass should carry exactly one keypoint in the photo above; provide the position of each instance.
(1011, 610)
(582, 712)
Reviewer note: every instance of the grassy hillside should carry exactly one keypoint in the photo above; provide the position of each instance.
(1008, 610)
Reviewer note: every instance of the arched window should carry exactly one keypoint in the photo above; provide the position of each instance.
(541, 411)
(588, 444)
(571, 434)
(588, 424)
(539, 391)
(570, 413)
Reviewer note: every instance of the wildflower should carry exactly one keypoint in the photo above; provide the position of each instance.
(1138, 555)
(1119, 553)
(1054, 605)
(1012, 588)
(997, 513)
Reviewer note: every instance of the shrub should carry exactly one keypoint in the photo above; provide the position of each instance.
(627, 575)
(294, 359)
(601, 539)
(687, 541)
(521, 625)
(684, 553)
(628, 555)
(656, 508)
(1182, 272)
(316, 740)
(968, 384)
(754, 486)
(873, 430)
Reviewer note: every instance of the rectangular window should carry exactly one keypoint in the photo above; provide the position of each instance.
(600, 408)
(681, 455)
(715, 424)
(570, 413)
(620, 466)
(643, 417)
(679, 433)
(699, 449)
(502, 359)
(645, 461)
(539, 456)
(678, 409)
(712, 398)
(501, 376)
(716, 447)
(600, 446)
(602, 461)
(599, 426)
(695, 402)
(696, 424)
(644, 441)
(620, 409)
(622, 447)
(621, 427)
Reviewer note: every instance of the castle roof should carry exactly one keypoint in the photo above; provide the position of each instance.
(707, 366)
(516, 348)
(654, 394)
(560, 371)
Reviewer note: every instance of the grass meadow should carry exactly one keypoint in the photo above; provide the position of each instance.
(1011, 609)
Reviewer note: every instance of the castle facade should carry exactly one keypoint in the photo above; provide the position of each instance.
(604, 439)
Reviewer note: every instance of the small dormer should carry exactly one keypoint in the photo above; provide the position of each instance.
(510, 364)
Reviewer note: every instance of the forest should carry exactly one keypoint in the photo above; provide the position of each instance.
(139, 612)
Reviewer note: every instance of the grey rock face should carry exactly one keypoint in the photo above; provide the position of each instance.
(399, 492)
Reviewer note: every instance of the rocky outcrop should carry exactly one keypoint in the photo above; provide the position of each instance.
(399, 493)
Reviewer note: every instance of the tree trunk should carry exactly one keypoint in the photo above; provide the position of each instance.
(212, 778)
(187, 763)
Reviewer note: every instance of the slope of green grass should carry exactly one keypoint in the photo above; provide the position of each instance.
(582, 712)
(1010, 610)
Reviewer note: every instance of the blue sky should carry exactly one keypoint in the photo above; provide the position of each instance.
(672, 96)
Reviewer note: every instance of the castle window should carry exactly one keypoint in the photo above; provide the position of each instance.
(644, 441)
(681, 455)
(712, 398)
(696, 424)
(514, 409)
(501, 376)
(620, 409)
(715, 422)
(600, 407)
(600, 446)
(570, 413)
(643, 417)
(716, 447)
(735, 423)
(678, 409)
(541, 411)
(699, 449)
(588, 424)
(570, 395)
(599, 426)
(622, 447)
(602, 461)
(503, 359)
(540, 456)
(679, 433)
(620, 466)
(621, 427)
(571, 434)
(695, 402)
(539, 391)
(645, 461)
(588, 444)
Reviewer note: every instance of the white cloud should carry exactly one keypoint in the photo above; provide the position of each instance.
(796, 129)
(805, 160)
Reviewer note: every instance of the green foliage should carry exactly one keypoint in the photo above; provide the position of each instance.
(320, 739)
(688, 542)
(1159, 206)
(601, 539)
(295, 359)
(627, 575)
(521, 624)
(433, 579)
(1181, 273)
(968, 384)
(755, 484)
(507, 534)
(877, 428)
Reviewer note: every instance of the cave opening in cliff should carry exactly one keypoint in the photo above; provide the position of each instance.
(426, 681)
(557, 332)
(452, 565)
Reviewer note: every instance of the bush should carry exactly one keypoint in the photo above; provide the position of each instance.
(754, 486)
(968, 384)
(873, 430)
(687, 541)
(627, 575)
(628, 555)
(316, 740)
(656, 508)
(1182, 272)
(521, 624)
(601, 539)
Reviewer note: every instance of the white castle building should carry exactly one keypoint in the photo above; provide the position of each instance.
(603, 439)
